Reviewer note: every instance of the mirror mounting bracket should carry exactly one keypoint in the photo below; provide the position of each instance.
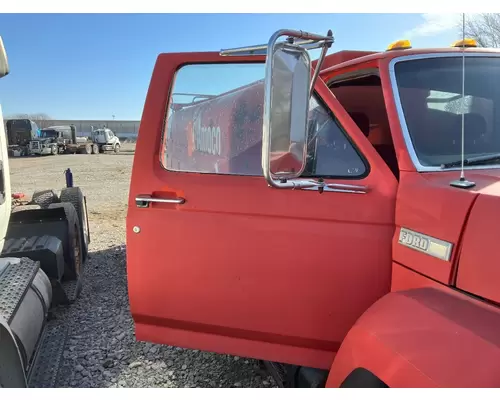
(306, 41)
(319, 185)
(309, 41)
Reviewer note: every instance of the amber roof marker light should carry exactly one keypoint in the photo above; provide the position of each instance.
(403, 44)
(465, 42)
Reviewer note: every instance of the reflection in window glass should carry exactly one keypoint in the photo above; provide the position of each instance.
(214, 125)
(430, 92)
(330, 153)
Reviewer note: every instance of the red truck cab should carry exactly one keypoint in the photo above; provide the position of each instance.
(360, 255)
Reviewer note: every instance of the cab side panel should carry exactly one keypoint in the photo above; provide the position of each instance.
(428, 205)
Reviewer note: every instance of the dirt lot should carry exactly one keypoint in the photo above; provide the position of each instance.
(104, 178)
(101, 350)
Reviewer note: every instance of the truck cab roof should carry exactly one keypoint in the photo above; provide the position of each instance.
(348, 58)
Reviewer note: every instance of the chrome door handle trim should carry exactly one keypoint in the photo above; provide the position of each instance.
(143, 200)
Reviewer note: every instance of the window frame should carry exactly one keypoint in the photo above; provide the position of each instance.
(162, 154)
(402, 120)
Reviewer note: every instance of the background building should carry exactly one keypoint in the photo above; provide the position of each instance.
(127, 129)
(123, 129)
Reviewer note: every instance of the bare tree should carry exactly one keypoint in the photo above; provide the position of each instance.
(41, 119)
(484, 28)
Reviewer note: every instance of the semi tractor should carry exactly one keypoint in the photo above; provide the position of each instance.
(63, 139)
(43, 248)
(106, 140)
(20, 132)
(336, 218)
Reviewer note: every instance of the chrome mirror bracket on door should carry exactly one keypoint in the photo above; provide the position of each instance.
(143, 200)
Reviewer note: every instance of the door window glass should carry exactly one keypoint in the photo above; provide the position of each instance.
(214, 125)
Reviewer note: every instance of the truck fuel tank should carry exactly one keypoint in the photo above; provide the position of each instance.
(26, 295)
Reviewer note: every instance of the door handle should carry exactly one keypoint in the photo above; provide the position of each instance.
(143, 200)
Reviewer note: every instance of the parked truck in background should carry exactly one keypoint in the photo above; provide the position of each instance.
(49, 141)
(61, 140)
(19, 134)
(64, 139)
(43, 248)
(106, 140)
(366, 256)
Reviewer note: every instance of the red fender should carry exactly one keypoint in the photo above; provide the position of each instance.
(424, 337)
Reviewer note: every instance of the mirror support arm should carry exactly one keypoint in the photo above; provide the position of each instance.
(324, 50)
(308, 41)
(320, 186)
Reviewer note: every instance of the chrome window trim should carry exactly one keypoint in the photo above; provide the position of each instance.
(402, 121)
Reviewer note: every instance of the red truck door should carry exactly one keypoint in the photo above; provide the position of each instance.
(222, 262)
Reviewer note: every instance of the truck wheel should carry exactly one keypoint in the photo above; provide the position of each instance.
(362, 378)
(88, 149)
(53, 150)
(74, 244)
(44, 198)
(75, 196)
(95, 149)
(117, 148)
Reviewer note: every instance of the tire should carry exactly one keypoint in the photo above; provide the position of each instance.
(95, 149)
(362, 378)
(88, 149)
(54, 150)
(73, 245)
(75, 196)
(44, 198)
(117, 148)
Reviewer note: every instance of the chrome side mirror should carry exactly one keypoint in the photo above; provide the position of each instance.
(289, 84)
(286, 107)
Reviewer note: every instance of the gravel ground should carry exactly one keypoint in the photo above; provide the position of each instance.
(101, 350)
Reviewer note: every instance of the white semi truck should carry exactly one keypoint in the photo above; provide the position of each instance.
(43, 247)
(106, 140)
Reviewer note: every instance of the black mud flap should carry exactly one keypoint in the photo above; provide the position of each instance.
(48, 250)
(38, 222)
